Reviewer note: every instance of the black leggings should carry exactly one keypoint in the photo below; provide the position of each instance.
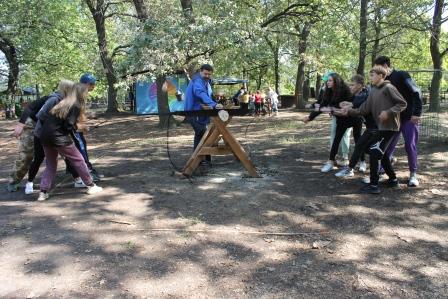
(379, 143)
(38, 158)
(78, 138)
(341, 127)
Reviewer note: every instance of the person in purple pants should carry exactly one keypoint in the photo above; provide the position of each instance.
(409, 118)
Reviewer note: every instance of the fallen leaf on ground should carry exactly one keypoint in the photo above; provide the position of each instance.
(268, 240)
(320, 244)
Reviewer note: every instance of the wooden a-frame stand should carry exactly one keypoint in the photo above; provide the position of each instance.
(209, 146)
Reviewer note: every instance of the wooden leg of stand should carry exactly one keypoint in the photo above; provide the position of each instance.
(210, 137)
(236, 147)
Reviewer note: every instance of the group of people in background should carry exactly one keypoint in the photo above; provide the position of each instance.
(258, 103)
(55, 125)
(390, 107)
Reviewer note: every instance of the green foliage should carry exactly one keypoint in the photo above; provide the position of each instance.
(57, 39)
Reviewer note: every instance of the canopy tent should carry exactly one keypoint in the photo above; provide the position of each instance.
(230, 81)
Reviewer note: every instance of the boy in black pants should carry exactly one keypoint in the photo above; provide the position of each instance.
(361, 94)
(385, 104)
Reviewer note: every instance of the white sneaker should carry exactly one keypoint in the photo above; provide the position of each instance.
(345, 172)
(413, 181)
(362, 166)
(366, 179)
(343, 162)
(29, 188)
(79, 184)
(94, 189)
(43, 196)
(329, 166)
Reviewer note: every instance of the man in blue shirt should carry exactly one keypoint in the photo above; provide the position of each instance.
(198, 95)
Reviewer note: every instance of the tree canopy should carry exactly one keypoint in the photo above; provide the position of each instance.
(272, 43)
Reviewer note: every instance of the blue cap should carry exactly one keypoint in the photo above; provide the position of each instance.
(87, 78)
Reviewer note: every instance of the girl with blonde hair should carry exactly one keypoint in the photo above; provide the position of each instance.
(55, 137)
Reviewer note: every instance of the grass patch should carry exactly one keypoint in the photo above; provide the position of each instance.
(285, 125)
(129, 245)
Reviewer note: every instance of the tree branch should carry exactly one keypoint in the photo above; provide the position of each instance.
(120, 14)
(384, 36)
(119, 49)
(286, 12)
(136, 73)
(444, 53)
(114, 3)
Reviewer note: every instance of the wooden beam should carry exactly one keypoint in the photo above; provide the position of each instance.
(216, 151)
(236, 147)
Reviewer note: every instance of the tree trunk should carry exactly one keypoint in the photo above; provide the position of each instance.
(377, 28)
(261, 74)
(277, 70)
(7, 47)
(187, 8)
(437, 57)
(304, 33)
(275, 49)
(37, 92)
(162, 95)
(362, 38)
(306, 90)
(142, 12)
(98, 12)
(318, 84)
(162, 102)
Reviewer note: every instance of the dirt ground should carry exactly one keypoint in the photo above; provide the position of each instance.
(222, 234)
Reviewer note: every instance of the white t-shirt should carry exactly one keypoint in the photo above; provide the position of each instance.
(273, 96)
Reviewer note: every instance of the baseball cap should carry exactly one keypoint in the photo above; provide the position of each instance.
(87, 78)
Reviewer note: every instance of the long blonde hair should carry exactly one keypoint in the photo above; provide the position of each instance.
(75, 97)
(65, 87)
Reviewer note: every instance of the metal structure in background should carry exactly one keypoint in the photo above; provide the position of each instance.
(434, 127)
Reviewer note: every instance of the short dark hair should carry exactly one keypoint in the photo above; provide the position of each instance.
(206, 67)
(358, 79)
(382, 60)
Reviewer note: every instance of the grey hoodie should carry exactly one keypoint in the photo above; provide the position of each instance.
(384, 97)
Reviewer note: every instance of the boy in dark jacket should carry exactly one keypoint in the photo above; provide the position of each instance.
(410, 117)
(361, 94)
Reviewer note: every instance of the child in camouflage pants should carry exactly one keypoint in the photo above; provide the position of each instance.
(26, 153)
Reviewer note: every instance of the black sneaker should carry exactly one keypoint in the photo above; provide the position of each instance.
(205, 163)
(95, 176)
(12, 187)
(391, 183)
(370, 189)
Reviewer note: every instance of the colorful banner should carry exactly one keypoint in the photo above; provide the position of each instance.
(146, 95)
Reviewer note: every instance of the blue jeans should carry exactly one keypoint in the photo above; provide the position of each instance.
(199, 128)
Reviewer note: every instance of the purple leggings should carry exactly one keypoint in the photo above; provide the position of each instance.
(410, 133)
(73, 155)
